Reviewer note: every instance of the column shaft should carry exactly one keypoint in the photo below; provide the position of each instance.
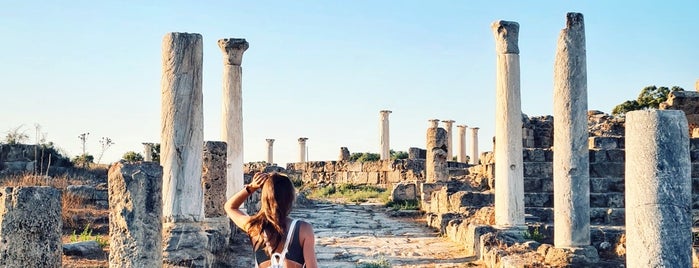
(658, 189)
(450, 149)
(461, 157)
(436, 162)
(302, 149)
(232, 125)
(509, 181)
(474, 146)
(385, 144)
(571, 164)
(270, 151)
(182, 137)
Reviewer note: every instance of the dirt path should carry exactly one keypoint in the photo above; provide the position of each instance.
(350, 234)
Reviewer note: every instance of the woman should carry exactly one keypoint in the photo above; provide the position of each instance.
(270, 228)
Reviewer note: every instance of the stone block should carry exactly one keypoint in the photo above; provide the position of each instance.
(316, 166)
(532, 185)
(426, 189)
(538, 200)
(538, 169)
(545, 214)
(135, 214)
(608, 169)
(354, 166)
(607, 200)
(184, 243)
(329, 166)
(597, 155)
(693, 144)
(373, 178)
(416, 153)
(547, 185)
(605, 143)
(404, 192)
(395, 177)
(534, 155)
(616, 155)
(213, 178)
(30, 227)
(468, 199)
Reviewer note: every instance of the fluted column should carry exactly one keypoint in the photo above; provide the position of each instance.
(302, 149)
(385, 145)
(270, 151)
(461, 157)
(450, 149)
(658, 189)
(182, 127)
(571, 164)
(232, 125)
(474, 145)
(509, 181)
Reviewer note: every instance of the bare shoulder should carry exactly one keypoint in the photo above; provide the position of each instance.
(305, 229)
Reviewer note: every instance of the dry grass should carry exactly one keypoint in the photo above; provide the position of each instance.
(60, 182)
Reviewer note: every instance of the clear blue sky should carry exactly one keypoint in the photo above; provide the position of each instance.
(320, 69)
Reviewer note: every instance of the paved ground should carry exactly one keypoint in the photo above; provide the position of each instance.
(347, 235)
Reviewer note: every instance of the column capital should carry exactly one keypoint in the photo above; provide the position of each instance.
(433, 122)
(302, 140)
(475, 128)
(233, 49)
(448, 122)
(270, 141)
(506, 36)
(462, 126)
(385, 111)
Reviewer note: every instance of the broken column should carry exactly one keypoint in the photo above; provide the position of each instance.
(147, 151)
(450, 150)
(344, 154)
(302, 149)
(509, 181)
(270, 151)
(135, 211)
(385, 145)
(436, 162)
(571, 164)
(474, 146)
(181, 148)
(30, 227)
(216, 223)
(461, 157)
(658, 189)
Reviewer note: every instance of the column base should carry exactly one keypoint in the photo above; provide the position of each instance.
(585, 255)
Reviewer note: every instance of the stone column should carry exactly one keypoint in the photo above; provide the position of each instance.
(181, 147)
(474, 145)
(135, 210)
(147, 151)
(232, 125)
(436, 162)
(270, 151)
(434, 123)
(30, 227)
(302, 149)
(509, 181)
(461, 157)
(658, 189)
(571, 164)
(344, 154)
(448, 126)
(385, 145)
(182, 137)
(214, 178)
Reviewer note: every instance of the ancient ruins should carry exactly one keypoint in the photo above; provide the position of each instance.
(589, 204)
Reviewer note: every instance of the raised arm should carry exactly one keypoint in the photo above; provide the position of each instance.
(233, 204)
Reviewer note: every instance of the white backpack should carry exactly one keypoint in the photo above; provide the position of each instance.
(278, 259)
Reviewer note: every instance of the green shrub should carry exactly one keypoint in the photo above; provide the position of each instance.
(86, 235)
(380, 263)
(83, 160)
(534, 234)
(132, 156)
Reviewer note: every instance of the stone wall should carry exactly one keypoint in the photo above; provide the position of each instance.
(382, 172)
(28, 157)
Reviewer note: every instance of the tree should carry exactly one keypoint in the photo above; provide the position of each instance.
(365, 157)
(132, 156)
(399, 155)
(650, 98)
(106, 142)
(83, 160)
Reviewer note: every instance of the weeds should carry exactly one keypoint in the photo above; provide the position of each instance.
(380, 263)
(404, 205)
(86, 235)
(351, 192)
(534, 234)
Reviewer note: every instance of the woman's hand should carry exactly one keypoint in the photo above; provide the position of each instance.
(257, 181)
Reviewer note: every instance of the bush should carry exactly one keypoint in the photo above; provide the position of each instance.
(365, 157)
(83, 160)
(132, 156)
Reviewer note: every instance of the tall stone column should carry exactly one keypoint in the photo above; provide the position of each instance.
(450, 149)
(474, 146)
(135, 211)
(181, 147)
(270, 151)
(461, 157)
(658, 189)
(571, 164)
(147, 151)
(509, 181)
(182, 137)
(232, 125)
(436, 162)
(385, 145)
(302, 149)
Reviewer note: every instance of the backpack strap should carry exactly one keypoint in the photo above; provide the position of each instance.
(278, 258)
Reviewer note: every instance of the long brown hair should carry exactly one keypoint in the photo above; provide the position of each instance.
(278, 196)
